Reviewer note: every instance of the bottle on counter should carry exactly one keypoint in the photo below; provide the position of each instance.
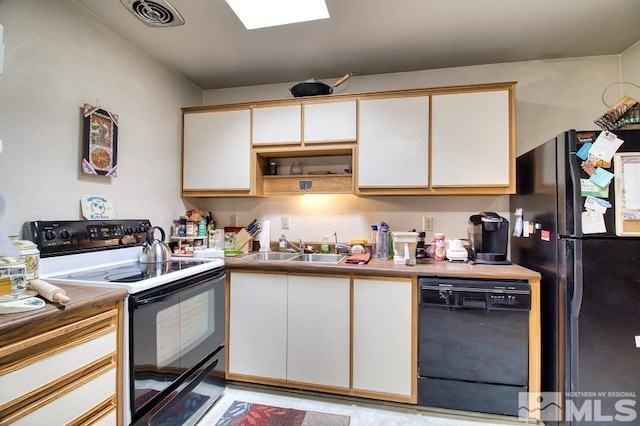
(324, 246)
(282, 243)
(374, 239)
(438, 246)
(383, 242)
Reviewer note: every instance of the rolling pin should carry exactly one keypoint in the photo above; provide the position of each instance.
(49, 291)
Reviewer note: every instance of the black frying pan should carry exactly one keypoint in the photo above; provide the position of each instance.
(314, 88)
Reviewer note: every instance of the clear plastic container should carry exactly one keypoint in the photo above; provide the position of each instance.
(374, 239)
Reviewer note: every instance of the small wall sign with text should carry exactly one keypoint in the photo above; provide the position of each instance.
(95, 207)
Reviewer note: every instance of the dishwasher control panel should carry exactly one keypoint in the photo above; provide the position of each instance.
(475, 294)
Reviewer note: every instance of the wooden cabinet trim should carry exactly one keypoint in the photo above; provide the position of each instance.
(98, 412)
(32, 401)
(106, 319)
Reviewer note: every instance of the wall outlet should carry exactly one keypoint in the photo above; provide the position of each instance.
(233, 220)
(285, 222)
(427, 223)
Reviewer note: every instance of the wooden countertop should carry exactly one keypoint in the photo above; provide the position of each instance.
(15, 326)
(426, 267)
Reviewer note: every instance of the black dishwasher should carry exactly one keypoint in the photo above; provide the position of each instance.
(473, 344)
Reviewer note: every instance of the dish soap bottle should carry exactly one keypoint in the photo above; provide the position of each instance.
(282, 243)
(324, 246)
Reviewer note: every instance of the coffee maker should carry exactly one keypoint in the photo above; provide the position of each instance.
(489, 236)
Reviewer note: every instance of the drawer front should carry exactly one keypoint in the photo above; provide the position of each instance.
(43, 371)
(73, 403)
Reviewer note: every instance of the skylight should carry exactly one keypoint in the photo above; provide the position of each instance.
(270, 13)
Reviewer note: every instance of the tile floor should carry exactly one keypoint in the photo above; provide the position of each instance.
(363, 413)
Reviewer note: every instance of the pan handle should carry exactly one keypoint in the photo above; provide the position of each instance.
(343, 79)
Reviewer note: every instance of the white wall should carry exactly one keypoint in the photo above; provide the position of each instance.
(551, 96)
(57, 57)
(630, 60)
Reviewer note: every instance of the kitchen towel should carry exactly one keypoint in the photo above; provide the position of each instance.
(265, 235)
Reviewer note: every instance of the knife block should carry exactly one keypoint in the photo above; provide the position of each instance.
(243, 241)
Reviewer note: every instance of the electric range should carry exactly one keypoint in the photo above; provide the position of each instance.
(174, 320)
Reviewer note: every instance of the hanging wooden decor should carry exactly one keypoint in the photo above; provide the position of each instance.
(99, 141)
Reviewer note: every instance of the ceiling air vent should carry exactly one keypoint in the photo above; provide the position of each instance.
(159, 13)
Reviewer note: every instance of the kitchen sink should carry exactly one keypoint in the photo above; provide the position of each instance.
(269, 255)
(317, 257)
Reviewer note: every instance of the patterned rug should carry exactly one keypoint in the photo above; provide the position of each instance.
(246, 413)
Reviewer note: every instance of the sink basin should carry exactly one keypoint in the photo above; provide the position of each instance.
(270, 255)
(316, 257)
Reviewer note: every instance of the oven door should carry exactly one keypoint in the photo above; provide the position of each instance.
(173, 329)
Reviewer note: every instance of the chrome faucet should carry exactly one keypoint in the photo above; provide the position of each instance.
(299, 248)
(340, 246)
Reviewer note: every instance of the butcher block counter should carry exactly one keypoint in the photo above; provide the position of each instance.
(60, 364)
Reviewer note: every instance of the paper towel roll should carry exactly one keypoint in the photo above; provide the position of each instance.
(265, 236)
(49, 291)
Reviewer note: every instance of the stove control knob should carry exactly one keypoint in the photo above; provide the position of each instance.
(128, 230)
(49, 235)
(65, 235)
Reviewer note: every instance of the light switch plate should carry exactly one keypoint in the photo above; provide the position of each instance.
(285, 222)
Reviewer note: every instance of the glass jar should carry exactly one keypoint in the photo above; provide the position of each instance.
(273, 168)
(296, 168)
(30, 256)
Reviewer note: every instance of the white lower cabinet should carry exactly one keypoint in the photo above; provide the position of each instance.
(290, 327)
(258, 325)
(318, 338)
(297, 330)
(382, 336)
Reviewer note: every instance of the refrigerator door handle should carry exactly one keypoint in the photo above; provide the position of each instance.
(576, 195)
(576, 300)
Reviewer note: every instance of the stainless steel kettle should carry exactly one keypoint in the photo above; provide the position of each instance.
(155, 251)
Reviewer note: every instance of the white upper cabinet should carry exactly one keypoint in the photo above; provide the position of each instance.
(277, 124)
(216, 151)
(330, 122)
(393, 143)
(471, 139)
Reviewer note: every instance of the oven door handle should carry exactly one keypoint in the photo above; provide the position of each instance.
(150, 300)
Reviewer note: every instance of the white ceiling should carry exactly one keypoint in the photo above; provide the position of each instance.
(214, 50)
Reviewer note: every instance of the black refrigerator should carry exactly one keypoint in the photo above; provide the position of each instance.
(590, 287)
